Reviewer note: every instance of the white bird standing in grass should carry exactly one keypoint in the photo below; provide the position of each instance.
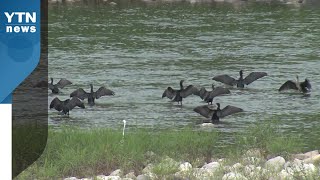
(124, 127)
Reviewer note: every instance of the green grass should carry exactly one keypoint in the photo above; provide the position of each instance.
(87, 153)
(83, 153)
(268, 137)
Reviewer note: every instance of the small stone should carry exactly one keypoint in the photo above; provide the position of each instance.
(86, 179)
(276, 163)
(117, 172)
(113, 3)
(233, 176)
(186, 166)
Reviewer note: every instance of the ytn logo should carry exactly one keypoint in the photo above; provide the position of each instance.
(21, 22)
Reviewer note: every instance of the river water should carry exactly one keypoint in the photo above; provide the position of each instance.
(138, 51)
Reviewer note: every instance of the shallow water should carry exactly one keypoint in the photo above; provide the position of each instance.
(138, 51)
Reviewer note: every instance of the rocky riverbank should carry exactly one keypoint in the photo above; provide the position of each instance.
(251, 165)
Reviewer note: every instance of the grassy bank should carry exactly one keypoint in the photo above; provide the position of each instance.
(86, 153)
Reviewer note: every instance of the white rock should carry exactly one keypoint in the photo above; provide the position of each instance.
(117, 172)
(147, 169)
(113, 3)
(305, 169)
(213, 166)
(101, 177)
(71, 178)
(276, 163)
(142, 177)
(284, 175)
(300, 156)
(186, 166)
(86, 179)
(130, 175)
(236, 167)
(313, 159)
(147, 176)
(312, 153)
(233, 176)
(249, 169)
(252, 160)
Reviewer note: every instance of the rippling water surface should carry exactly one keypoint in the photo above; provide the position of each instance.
(138, 51)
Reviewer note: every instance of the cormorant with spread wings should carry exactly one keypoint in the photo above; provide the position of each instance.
(226, 79)
(304, 87)
(208, 96)
(54, 87)
(178, 95)
(66, 105)
(216, 114)
(82, 94)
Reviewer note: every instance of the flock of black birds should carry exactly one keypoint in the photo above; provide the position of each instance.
(215, 113)
(208, 111)
(76, 96)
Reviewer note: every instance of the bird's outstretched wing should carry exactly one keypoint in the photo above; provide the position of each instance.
(203, 93)
(79, 93)
(288, 85)
(254, 76)
(102, 91)
(75, 102)
(63, 82)
(226, 79)
(217, 92)
(228, 110)
(204, 111)
(56, 104)
(188, 91)
(169, 92)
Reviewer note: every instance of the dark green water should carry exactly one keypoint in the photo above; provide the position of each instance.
(139, 50)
